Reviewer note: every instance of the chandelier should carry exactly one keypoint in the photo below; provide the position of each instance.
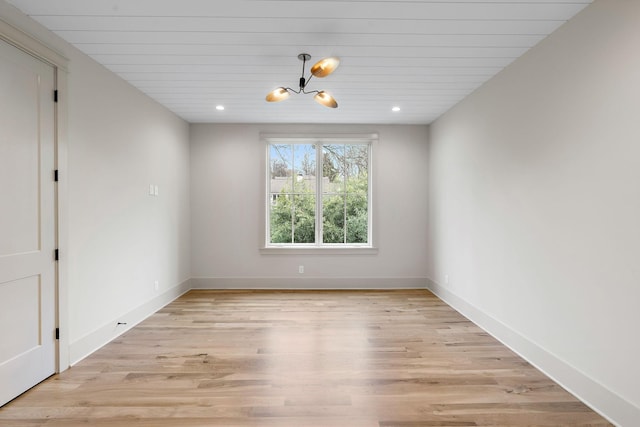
(320, 69)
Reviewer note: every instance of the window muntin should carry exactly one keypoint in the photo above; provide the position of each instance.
(333, 211)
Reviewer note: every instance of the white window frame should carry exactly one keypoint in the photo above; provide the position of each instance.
(318, 247)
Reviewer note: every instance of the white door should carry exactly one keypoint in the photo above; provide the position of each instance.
(27, 222)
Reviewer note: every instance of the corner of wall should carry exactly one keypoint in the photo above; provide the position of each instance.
(82, 348)
(602, 400)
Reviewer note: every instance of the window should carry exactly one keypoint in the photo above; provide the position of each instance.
(319, 192)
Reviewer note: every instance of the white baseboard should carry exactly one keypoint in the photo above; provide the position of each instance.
(93, 341)
(315, 283)
(602, 400)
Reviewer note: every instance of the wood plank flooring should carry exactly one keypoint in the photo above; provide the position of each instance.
(303, 359)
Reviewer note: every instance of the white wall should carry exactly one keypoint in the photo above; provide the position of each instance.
(118, 240)
(121, 239)
(535, 206)
(227, 210)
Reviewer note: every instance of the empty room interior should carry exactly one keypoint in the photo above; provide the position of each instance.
(319, 213)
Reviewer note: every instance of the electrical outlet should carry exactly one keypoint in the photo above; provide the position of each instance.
(156, 285)
(446, 279)
(301, 269)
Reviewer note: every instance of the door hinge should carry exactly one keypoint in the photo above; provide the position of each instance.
(55, 95)
(57, 255)
(57, 333)
(55, 175)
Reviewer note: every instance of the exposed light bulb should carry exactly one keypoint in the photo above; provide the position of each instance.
(325, 66)
(395, 109)
(220, 107)
(325, 99)
(277, 95)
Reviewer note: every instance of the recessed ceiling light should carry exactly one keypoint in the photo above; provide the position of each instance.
(219, 107)
(395, 109)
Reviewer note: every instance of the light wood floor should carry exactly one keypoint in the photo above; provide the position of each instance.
(303, 359)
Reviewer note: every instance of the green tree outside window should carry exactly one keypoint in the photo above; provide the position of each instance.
(342, 193)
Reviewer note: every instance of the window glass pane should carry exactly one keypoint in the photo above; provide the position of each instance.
(357, 165)
(280, 162)
(333, 168)
(304, 220)
(333, 218)
(281, 218)
(304, 160)
(281, 188)
(345, 190)
(356, 210)
(357, 217)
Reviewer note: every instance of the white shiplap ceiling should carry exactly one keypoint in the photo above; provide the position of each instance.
(191, 55)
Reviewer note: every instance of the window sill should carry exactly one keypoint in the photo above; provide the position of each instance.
(289, 250)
